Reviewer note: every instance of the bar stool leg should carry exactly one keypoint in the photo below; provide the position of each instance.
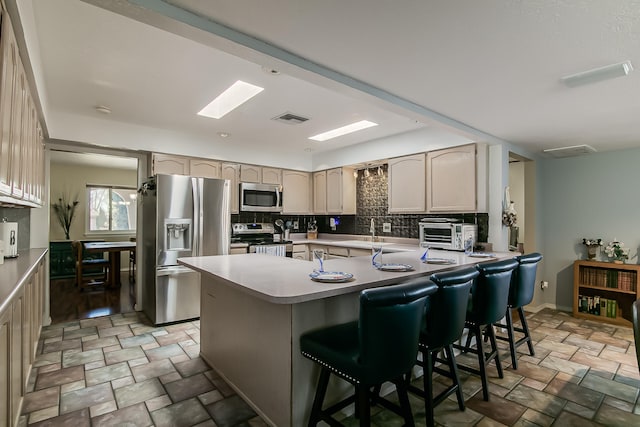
(403, 396)
(363, 406)
(512, 342)
(525, 329)
(427, 361)
(316, 409)
(494, 350)
(481, 362)
(453, 368)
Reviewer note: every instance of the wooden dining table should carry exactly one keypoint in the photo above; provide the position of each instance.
(114, 249)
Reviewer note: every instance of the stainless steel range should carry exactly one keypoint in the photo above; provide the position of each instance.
(260, 238)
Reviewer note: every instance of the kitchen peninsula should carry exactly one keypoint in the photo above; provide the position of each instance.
(255, 307)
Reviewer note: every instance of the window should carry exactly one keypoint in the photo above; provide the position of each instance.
(111, 209)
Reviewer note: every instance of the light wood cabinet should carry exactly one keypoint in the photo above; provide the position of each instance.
(320, 192)
(271, 176)
(9, 57)
(301, 251)
(169, 165)
(250, 173)
(334, 191)
(451, 179)
(605, 291)
(406, 184)
(6, 418)
(296, 188)
(231, 171)
(204, 168)
(21, 148)
(20, 325)
(341, 191)
(260, 174)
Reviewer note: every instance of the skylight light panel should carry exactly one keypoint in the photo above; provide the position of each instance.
(353, 127)
(236, 95)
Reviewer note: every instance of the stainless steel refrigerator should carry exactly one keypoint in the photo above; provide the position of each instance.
(183, 216)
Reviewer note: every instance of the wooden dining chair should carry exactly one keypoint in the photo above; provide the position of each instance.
(86, 267)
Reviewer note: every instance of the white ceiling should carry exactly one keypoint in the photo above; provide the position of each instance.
(486, 70)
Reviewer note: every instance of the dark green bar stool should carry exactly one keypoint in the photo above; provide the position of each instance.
(523, 283)
(487, 305)
(381, 346)
(445, 315)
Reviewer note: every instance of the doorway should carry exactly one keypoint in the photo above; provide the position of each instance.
(522, 191)
(99, 191)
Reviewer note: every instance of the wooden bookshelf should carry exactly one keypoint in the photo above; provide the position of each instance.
(604, 291)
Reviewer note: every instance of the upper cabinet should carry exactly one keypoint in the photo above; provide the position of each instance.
(407, 177)
(169, 165)
(21, 147)
(296, 189)
(250, 173)
(334, 191)
(260, 175)
(320, 192)
(204, 168)
(231, 171)
(271, 176)
(453, 175)
(341, 191)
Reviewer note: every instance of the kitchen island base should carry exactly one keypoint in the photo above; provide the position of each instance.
(254, 346)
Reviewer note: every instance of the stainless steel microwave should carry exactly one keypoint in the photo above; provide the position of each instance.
(446, 235)
(260, 197)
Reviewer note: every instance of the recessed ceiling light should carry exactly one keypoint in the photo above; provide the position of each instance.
(353, 127)
(236, 95)
(102, 109)
(270, 71)
(224, 134)
(598, 74)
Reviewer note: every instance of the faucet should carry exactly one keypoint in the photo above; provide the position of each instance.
(372, 229)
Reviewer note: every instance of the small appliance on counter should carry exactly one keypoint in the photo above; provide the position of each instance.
(9, 235)
(446, 233)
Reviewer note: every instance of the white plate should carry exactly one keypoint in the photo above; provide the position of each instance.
(395, 267)
(481, 255)
(330, 276)
(440, 261)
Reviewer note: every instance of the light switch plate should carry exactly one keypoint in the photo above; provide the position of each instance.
(386, 227)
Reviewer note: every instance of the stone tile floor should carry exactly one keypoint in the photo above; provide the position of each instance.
(120, 370)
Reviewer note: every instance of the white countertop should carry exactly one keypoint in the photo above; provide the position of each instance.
(389, 246)
(284, 280)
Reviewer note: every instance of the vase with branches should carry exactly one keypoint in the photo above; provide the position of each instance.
(65, 209)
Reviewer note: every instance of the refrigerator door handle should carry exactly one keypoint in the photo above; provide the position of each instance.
(170, 271)
(197, 226)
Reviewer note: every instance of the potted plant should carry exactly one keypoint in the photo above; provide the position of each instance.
(65, 209)
(617, 251)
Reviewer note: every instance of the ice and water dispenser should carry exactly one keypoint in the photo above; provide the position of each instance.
(177, 234)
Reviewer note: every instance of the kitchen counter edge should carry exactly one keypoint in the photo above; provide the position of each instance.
(15, 271)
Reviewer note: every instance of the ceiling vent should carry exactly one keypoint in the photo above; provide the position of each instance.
(290, 119)
(574, 150)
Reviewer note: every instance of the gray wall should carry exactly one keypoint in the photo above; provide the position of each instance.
(591, 196)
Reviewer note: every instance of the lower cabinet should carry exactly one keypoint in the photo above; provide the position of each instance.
(20, 325)
(301, 252)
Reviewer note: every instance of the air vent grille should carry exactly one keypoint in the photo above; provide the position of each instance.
(290, 118)
(575, 150)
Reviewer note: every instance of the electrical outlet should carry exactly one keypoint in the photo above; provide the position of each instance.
(296, 225)
(386, 227)
(544, 284)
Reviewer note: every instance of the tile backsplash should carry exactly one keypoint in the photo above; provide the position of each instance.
(371, 202)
